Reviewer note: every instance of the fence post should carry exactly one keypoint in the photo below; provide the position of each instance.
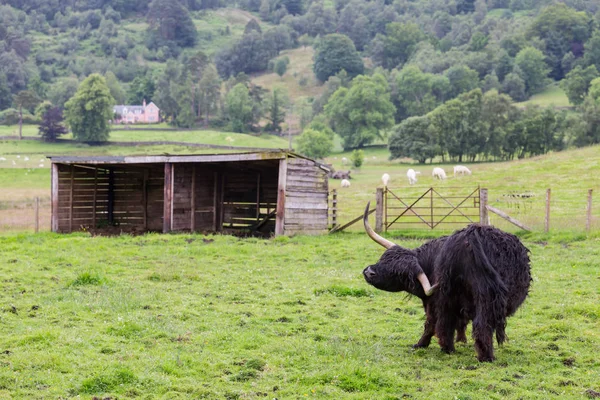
(588, 221)
(334, 209)
(483, 211)
(379, 211)
(37, 214)
(547, 219)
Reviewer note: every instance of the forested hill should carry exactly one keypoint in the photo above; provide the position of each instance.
(175, 52)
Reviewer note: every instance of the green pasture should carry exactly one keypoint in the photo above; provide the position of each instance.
(569, 175)
(217, 317)
(553, 95)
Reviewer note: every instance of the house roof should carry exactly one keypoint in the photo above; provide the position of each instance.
(121, 109)
(276, 154)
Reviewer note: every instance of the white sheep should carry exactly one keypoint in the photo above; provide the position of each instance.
(26, 158)
(461, 170)
(345, 183)
(438, 173)
(385, 178)
(344, 160)
(412, 176)
(2, 159)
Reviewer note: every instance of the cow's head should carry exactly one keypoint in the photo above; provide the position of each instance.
(398, 268)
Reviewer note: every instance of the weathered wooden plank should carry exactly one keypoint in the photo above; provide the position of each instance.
(167, 205)
(305, 205)
(281, 190)
(54, 197)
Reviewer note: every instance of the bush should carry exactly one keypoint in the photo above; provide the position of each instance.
(315, 144)
(357, 158)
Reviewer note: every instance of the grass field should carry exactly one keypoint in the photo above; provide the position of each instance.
(188, 316)
(552, 96)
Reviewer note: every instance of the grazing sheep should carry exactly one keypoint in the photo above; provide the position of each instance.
(26, 158)
(385, 178)
(412, 176)
(2, 159)
(345, 183)
(344, 160)
(41, 165)
(438, 173)
(461, 170)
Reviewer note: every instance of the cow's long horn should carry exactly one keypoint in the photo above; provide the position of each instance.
(427, 288)
(382, 241)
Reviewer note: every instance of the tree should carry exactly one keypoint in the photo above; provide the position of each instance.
(276, 110)
(238, 105)
(334, 53)
(28, 100)
(535, 71)
(61, 91)
(577, 83)
(116, 91)
(170, 24)
(414, 90)
(592, 50)
(89, 110)
(360, 113)
(462, 79)
(52, 125)
(400, 43)
(142, 88)
(5, 95)
(280, 67)
(514, 86)
(210, 90)
(314, 144)
(186, 116)
(415, 138)
(357, 158)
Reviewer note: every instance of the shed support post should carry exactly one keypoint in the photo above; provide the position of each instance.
(281, 187)
(484, 218)
(379, 210)
(193, 200)
(54, 198)
(71, 198)
(168, 198)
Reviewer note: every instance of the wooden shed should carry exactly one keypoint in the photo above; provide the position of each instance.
(274, 192)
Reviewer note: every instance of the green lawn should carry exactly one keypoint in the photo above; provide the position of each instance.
(552, 96)
(188, 316)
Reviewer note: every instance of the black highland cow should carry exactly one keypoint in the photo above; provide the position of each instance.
(480, 274)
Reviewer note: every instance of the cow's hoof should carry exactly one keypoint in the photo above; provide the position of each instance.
(486, 359)
(419, 346)
(461, 339)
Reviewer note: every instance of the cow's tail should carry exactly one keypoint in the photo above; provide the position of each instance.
(491, 292)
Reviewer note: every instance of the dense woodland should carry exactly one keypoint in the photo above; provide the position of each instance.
(438, 79)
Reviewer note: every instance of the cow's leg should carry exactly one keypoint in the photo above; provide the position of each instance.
(428, 331)
(445, 327)
(483, 335)
(461, 331)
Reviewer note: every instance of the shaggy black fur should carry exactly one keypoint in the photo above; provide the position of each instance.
(482, 275)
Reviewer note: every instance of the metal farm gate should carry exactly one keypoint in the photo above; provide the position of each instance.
(434, 207)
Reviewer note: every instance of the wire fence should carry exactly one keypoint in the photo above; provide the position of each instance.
(573, 210)
(30, 215)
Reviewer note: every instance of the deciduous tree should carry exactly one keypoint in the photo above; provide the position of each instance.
(335, 53)
(361, 113)
(89, 110)
(52, 125)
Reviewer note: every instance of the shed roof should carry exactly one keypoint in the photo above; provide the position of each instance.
(187, 158)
